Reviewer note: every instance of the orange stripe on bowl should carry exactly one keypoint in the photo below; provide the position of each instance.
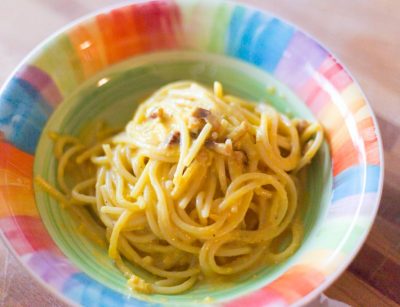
(261, 297)
(16, 192)
(368, 134)
(332, 118)
(335, 120)
(353, 98)
(345, 152)
(14, 159)
(120, 33)
(27, 234)
(86, 40)
(16, 195)
(138, 28)
(345, 156)
(297, 282)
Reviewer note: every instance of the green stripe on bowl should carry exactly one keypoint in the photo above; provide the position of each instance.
(58, 59)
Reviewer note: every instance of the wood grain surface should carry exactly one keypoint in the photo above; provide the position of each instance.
(365, 35)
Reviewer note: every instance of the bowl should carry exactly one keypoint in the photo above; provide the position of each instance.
(100, 67)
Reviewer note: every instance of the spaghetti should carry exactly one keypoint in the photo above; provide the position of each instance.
(198, 184)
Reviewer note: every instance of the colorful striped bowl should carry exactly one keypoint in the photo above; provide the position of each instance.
(98, 67)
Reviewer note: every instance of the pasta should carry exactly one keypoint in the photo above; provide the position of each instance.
(198, 184)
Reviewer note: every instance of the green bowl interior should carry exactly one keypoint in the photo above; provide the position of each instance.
(113, 95)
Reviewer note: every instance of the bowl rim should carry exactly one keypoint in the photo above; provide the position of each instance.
(331, 278)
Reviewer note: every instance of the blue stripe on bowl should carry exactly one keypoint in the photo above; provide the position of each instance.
(81, 288)
(258, 38)
(23, 113)
(271, 44)
(236, 22)
(246, 37)
(351, 181)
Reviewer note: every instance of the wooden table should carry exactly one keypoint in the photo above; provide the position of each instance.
(363, 34)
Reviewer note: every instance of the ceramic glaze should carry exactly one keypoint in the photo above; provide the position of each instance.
(247, 50)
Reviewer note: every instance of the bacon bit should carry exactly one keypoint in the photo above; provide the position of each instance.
(158, 113)
(174, 138)
(193, 135)
(209, 144)
(225, 149)
(207, 116)
(214, 122)
(301, 126)
(201, 113)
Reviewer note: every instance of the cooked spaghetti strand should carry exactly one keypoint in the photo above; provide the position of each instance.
(199, 184)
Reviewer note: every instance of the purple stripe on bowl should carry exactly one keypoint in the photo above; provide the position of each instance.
(42, 82)
(349, 205)
(301, 58)
(53, 269)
